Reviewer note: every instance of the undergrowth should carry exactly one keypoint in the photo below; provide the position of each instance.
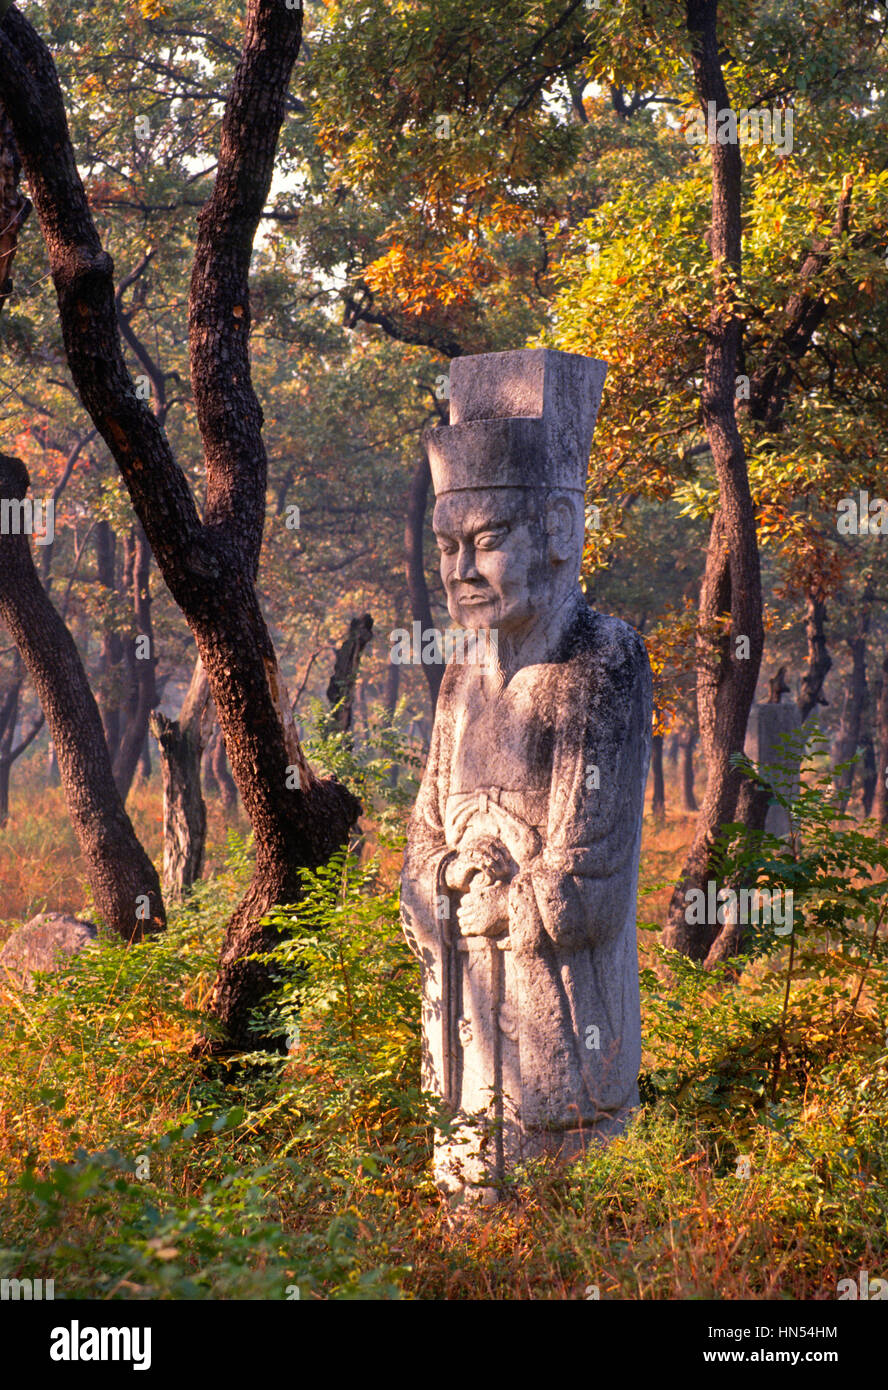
(755, 1168)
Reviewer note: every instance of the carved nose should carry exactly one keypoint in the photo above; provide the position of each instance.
(465, 565)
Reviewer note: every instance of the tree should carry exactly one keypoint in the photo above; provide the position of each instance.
(10, 751)
(341, 688)
(731, 594)
(124, 882)
(209, 566)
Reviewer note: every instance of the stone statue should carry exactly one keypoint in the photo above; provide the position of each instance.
(519, 885)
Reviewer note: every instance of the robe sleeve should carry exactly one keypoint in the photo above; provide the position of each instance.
(580, 889)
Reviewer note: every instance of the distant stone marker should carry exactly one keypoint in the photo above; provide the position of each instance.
(45, 943)
(772, 743)
(519, 886)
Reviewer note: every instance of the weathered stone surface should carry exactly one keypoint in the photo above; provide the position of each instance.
(519, 885)
(44, 943)
(772, 743)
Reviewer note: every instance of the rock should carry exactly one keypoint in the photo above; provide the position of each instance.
(519, 887)
(44, 943)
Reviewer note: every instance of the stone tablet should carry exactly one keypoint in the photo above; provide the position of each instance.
(519, 886)
(773, 744)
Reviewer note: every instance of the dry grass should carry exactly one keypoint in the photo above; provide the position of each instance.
(41, 867)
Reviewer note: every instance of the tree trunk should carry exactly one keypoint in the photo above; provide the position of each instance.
(140, 660)
(732, 937)
(209, 566)
(144, 767)
(341, 690)
(110, 687)
(725, 690)
(392, 687)
(855, 700)
(730, 635)
(658, 799)
(868, 774)
(9, 708)
(414, 545)
(5, 770)
(881, 798)
(53, 778)
(208, 774)
(181, 744)
(222, 773)
(687, 744)
(819, 659)
(10, 751)
(124, 882)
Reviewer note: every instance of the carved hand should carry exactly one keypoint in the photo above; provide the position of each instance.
(484, 911)
(485, 856)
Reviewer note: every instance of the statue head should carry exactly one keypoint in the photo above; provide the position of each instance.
(509, 474)
(509, 555)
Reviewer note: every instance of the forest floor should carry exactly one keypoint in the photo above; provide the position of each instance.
(755, 1168)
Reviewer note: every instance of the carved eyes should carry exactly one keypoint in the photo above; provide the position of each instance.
(489, 540)
(485, 540)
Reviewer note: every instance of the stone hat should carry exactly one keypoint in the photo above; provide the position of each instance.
(517, 419)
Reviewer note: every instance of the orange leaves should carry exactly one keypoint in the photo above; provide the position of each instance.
(672, 645)
(421, 283)
(506, 217)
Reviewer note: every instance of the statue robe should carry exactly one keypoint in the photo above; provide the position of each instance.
(539, 1030)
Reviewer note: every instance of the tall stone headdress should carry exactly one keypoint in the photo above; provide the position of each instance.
(517, 419)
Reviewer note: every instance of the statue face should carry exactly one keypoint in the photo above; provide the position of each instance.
(494, 557)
